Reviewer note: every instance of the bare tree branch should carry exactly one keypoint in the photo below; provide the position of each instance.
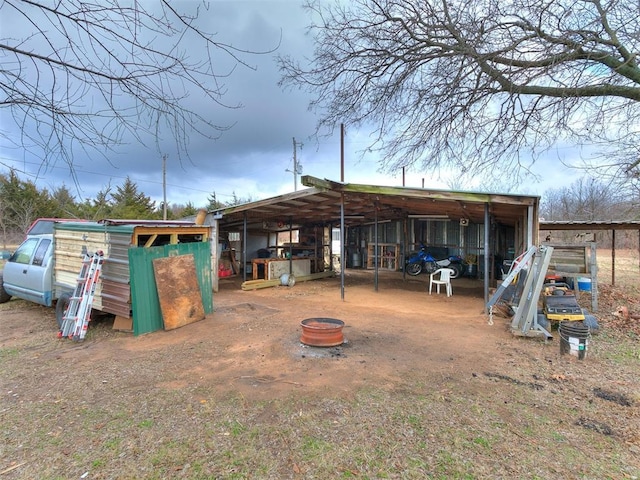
(478, 85)
(81, 75)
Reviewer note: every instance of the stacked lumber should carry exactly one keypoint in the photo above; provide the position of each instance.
(255, 284)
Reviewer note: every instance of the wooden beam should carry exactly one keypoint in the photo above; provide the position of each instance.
(256, 284)
(613, 258)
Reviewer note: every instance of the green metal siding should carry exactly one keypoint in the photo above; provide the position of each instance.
(147, 316)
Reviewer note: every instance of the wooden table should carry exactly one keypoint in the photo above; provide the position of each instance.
(254, 266)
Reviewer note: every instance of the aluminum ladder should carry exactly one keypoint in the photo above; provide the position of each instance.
(75, 321)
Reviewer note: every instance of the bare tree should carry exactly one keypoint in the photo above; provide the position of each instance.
(82, 74)
(478, 85)
(589, 199)
(586, 199)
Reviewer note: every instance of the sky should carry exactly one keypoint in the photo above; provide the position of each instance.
(254, 158)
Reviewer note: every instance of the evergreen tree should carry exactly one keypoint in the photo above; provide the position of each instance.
(22, 202)
(213, 204)
(188, 210)
(236, 200)
(64, 204)
(129, 203)
(98, 208)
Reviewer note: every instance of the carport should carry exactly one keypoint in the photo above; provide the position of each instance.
(594, 226)
(343, 206)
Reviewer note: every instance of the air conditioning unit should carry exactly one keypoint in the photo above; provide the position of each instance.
(464, 222)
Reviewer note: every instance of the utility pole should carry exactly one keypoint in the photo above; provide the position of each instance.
(342, 152)
(297, 168)
(164, 186)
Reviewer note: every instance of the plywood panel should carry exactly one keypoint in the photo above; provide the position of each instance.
(299, 267)
(178, 290)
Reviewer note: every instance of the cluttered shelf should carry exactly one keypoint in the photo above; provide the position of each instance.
(388, 253)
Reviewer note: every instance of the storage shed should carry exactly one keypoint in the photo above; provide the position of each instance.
(127, 286)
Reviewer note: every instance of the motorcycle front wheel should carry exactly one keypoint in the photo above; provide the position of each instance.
(414, 269)
(458, 270)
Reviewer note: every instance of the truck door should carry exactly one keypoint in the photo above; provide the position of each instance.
(27, 273)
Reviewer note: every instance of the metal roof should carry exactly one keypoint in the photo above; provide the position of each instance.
(321, 203)
(122, 225)
(590, 225)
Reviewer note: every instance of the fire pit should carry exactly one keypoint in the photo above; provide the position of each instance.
(322, 332)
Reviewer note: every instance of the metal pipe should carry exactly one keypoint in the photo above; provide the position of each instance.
(486, 256)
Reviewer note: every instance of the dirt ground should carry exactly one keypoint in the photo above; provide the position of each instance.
(395, 337)
(253, 337)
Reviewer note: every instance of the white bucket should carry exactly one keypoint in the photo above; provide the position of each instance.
(287, 280)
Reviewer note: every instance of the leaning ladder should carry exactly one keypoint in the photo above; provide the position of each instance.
(525, 321)
(78, 314)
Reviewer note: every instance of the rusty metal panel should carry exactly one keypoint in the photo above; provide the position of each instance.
(116, 298)
(178, 290)
(116, 292)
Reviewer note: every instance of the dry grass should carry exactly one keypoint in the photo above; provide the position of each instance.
(627, 272)
(445, 432)
(539, 421)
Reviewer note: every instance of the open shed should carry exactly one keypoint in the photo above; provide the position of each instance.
(594, 227)
(378, 222)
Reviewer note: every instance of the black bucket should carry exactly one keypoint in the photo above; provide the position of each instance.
(574, 338)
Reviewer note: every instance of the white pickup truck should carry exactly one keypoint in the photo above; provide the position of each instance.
(28, 273)
(45, 267)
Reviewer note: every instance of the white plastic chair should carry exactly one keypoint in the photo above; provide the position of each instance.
(442, 276)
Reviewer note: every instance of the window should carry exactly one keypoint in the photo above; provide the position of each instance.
(25, 251)
(41, 226)
(284, 238)
(39, 257)
(335, 240)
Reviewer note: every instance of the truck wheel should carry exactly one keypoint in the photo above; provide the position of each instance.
(4, 296)
(61, 307)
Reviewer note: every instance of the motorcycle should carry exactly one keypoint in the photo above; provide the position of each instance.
(422, 260)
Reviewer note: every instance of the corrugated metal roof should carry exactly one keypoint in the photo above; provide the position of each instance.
(590, 225)
(147, 223)
(120, 226)
(93, 227)
(364, 203)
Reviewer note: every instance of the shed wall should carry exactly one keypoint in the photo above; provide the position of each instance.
(69, 249)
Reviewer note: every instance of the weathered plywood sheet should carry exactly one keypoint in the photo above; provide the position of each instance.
(178, 290)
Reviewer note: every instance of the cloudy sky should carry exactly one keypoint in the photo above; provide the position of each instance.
(254, 159)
